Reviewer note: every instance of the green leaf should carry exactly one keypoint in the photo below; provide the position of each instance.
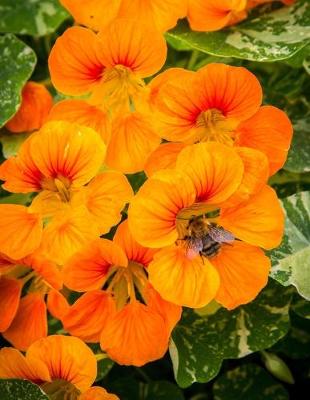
(277, 367)
(31, 17)
(18, 389)
(248, 382)
(200, 344)
(17, 61)
(11, 142)
(103, 368)
(301, 307)
(162, 390)
(271, 37)
(291, 261)
(299, 155)
(17, 198)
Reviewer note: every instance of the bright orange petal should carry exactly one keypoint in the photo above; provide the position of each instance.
(57, 304)
(47, 269)
(133, 250)
(269, 131)
(36, 104)
(215, 169)
(243, 271)
(255, 176)
(138, 47)
(94, 14)
(65, 150)
(75, 62)
(106, 196)
(153, 211)
(135, 335)
(162, 14)
(20, 231)
(66, 358)
(14, 365)
(87, 316)
(10, 291)
(85, 114)
(87, 269)
(165, 156)
(213, 15)
(259, 221)
(187, 282)
(24, 329)
(97, 393)
(133, 139)
(67, 234)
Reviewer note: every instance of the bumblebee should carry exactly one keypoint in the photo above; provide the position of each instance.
(206, 238)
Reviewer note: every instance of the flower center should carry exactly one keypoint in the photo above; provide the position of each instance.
(215, 127)
(61, 389)
(60, 184)
(127, 283)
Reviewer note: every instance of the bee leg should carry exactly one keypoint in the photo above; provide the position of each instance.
(202, 257)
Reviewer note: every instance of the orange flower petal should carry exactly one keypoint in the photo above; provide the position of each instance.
(24, 330)
(95, 14)
(191, 283)
(97, 393)
(64, 149)
(165, 156)
(138, 47)
(162, 14)
(32, 113)
(169, 311)
(153, 211)
(57, 304)
(87, 269)
(76, 62)
(259, 222)
(67, 234)
(256, 173)
(66, 358)
(275, 144)
(20, 231)
(133, 139)
(133, 250)
(14, 365)
(213, 15)
(215, 169)
(106, 196)
(243, 271)
(135, 335)
(47, 269)
(85, 114)
(87, 316)
(10, 291)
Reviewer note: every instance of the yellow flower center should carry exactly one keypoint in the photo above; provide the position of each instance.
(61, 390)
(215, 127)
(127, 283)
(60, 184)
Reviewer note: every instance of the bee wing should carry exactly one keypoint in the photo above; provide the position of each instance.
(220, 235)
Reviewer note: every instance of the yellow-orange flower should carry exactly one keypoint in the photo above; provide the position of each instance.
(61, 365)
(213, 182)
(120, 308)
(212, 15)
(222, 103)
(96, 14)
(41, 276)
(60, 162)
(32, 113)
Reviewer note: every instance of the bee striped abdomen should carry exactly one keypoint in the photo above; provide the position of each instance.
(210, 247)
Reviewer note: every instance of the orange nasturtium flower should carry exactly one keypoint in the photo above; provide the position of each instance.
(32, 113)
(109, 68)
(61, 162)
(224, 191)
(96, 14)
(63, 366)
(120, 308)
(212, 15)
(41, 276)
(222, 103)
